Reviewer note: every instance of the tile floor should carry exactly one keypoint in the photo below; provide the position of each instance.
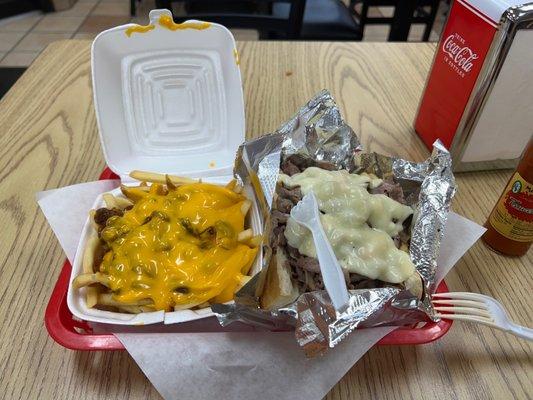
(23, 37)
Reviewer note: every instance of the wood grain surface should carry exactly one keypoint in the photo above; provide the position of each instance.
(49, 139)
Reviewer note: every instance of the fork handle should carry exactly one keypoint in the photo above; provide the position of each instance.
(521, 331)
(331, 270)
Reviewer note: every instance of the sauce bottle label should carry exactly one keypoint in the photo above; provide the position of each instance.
(513, 215)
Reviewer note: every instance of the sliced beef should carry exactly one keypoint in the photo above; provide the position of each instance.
(278, 218)
(284, 205)
(390, 189)
(296, 163)
(289, 168)
(294, 194)
(346, 275)
(364, 284)
(287, 198)
(397, 241)
(404, 236)
(305, 271)
(278, 221)
(299, 161)
(293, 253)
(103, 214)
(407, 226)
(307, 264)
(99, 254)
(318, 282)
(326, 165)
(302, 279)
(278, 236)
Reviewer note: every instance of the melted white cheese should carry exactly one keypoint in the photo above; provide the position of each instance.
(359, 225)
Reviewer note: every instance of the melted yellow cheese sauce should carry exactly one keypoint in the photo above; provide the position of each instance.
(178, 249)
(358, 225)
(139, 29)
(166, 21)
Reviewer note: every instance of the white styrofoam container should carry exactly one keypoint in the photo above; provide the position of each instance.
(171, 102)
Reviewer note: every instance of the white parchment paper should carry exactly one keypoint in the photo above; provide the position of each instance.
(66, 210)
(234, 365)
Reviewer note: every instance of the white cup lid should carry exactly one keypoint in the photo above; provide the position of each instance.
(168, 99)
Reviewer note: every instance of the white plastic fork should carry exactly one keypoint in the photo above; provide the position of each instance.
(306, 213)
(478, 308)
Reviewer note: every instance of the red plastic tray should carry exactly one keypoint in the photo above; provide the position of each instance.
(78, 335)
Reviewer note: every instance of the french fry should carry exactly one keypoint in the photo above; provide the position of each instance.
(96, 284)
(93, 222)
(158, 189)
(245, 236)
(246, 204)
(238, 188)
(170, 184)
(231, 184)
(84, 280)
(123, 202)
(187, 306)
(235, 197)
(243, 280)
(91, 294)
(130, 309)
(109, 200)
(87, 262)
(88, 279)
(159, 178)
(133, 193)
(255, 241)
(106, 299)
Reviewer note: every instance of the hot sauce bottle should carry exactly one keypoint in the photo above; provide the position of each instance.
(510, 224)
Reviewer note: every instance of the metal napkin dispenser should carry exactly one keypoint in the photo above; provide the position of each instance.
(478, 97)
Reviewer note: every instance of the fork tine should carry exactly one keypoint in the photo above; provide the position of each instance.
(465, 311)
(467, 303)
(460, 296)
(469, 318)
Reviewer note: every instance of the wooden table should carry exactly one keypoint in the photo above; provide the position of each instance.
(48, 140)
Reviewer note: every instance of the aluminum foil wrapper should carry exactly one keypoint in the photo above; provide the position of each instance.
(317, 131)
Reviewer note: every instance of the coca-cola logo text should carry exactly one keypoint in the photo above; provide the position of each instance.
(460, 57)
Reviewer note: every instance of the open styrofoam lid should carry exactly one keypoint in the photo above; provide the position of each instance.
(168, 97)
